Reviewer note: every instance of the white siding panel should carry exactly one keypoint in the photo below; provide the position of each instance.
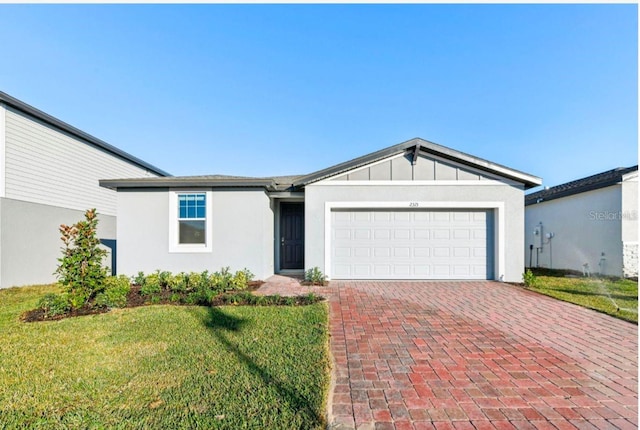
(45, 165)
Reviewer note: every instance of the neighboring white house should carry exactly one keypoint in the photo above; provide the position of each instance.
(49, 174)
(416, 210)
(588, 224)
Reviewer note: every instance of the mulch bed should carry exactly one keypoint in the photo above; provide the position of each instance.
(134, 299)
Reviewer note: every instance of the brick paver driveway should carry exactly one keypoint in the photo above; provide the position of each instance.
(467, 355)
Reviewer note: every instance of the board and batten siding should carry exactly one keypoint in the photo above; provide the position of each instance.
(48, 166)
(426, 168)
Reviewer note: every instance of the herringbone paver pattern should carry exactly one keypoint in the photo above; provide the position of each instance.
(476, 355)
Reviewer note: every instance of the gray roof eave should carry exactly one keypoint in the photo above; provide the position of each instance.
(529, 181)
(178, 182)
(44, 117)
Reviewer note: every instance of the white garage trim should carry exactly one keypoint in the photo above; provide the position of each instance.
(499, 221)
(388, 182)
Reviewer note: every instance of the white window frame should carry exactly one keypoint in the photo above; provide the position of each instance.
(174, 228)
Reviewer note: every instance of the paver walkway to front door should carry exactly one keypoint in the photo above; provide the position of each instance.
(483, 355)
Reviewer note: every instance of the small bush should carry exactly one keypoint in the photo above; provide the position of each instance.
(115, 292)
(241, 279)
(529, 279)
(151, 284)
(179, 283)
(315, 276)
(80, 271)
(222, 280)
(54, 304)
(198, 281)
(138, 279)
(165, 279)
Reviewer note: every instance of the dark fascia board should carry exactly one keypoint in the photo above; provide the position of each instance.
(55, 122)
(186, 182)
(529, 181)
(551, 194)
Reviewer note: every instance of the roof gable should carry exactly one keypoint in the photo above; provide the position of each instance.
(416, 149)
(414, 167)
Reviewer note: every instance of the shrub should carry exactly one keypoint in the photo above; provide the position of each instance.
(222, 280)
(138, 279)
(80, 271)
(115, 292)
(315, 276)
(151, 284)
(165, 279)
(241, 279)
(54, 304)
(179, 283)
(529, 279)
(198, 281)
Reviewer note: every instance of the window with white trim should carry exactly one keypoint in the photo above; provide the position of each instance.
(190, 221)
(192, 218)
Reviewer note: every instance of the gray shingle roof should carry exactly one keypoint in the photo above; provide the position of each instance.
(593, 182)
(529, 181)
(274, 183)
(293, 182)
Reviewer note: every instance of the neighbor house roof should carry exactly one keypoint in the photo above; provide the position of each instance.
(280, 183)
(593, 182)
(55, 122)
(424, 146)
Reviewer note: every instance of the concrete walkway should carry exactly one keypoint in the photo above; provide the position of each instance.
(475, 355)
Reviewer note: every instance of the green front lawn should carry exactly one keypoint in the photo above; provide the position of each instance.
(163, 367)
(618, 298)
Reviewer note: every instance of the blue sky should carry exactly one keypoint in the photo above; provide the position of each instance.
(260, 90)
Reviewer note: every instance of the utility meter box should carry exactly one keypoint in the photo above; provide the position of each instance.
(537, 236)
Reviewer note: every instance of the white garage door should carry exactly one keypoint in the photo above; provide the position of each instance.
(411, 244)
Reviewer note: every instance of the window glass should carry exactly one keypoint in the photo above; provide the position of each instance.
(192, 231)
(191, 206)
(192, 218)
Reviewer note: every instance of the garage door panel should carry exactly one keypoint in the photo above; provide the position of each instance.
(461, 271)
(341, 233)
(382, 270)
(401, 270)
(412, 244)
(421, 271)
(361, 270)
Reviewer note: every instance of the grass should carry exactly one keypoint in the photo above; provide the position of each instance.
(233, 367)
(615, 297)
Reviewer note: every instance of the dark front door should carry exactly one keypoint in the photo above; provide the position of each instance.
(292, 236)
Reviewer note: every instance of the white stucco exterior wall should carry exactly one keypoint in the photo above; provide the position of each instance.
(468, 194)
(242, 233)
(585, 226)
(30, 240)
(630, 224)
